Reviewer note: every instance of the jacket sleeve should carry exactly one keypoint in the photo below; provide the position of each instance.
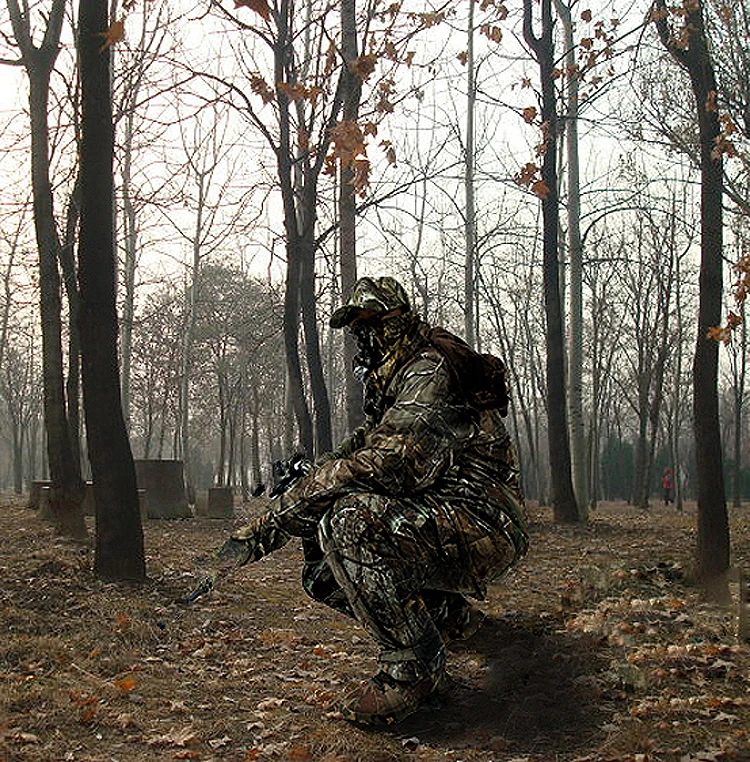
(421, 432)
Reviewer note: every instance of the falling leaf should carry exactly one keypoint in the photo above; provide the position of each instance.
(259, 6)
(586, 15)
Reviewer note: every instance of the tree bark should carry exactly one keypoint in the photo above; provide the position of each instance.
(470, 229)
(563, 498)
(119, 535)
(295, 255)
(348, 210)
(712, 551)
(575, 248)
(67, 485)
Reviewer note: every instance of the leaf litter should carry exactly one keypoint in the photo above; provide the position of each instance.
(598, 648)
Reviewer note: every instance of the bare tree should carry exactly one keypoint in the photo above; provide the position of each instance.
(690, 49)
(38, 62)
(575, 252)
(563, 497)
(119, 535)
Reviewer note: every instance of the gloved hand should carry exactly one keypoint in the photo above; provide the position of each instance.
(235, 552)
(259, 538)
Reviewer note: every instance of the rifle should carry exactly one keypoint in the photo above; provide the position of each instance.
(235, 553)
(289, 472)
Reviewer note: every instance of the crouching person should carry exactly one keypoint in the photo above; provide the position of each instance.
(416, 511)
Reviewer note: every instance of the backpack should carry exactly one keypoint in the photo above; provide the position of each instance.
(483, 378)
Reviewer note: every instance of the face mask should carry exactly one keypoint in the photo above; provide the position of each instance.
(369, 344)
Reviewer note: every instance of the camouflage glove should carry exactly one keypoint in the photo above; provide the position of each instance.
(234, 553)
(260, 537)
(245, 545)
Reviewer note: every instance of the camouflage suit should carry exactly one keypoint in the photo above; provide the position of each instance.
(417, 508)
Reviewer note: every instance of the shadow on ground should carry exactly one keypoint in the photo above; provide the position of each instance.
(515, 686)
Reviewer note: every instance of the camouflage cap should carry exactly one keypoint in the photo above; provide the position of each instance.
(370, 297)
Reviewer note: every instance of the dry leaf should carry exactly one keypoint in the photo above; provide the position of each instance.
(175, 737)
(125, 684)
(259, 6)
(113, 35)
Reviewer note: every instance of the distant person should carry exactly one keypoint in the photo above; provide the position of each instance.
(416, 511)
(667, 485)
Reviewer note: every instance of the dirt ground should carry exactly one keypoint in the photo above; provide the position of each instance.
(596, 648)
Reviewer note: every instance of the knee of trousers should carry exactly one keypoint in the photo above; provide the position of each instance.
(350, 520)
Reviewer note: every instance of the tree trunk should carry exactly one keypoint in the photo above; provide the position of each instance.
(191, 306)
(575, 248)
(321, 403)
(563, 498)
(130, 234)
(67, 485)
(739, 372)
(119, 535)
(294, 253)
(348, 211)
(712, 551)
(470, 221)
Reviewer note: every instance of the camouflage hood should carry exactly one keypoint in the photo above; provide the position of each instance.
(372, 297)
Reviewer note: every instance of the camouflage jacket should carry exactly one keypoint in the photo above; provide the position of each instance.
(423, 444)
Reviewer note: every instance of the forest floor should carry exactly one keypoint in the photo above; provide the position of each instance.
(597, 647)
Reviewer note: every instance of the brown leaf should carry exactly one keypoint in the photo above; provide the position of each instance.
(126, 683)
(299, 754)
(122, 620)
(259, 6)
(175, 737)
(113, 35)
(363, 66)
(260, 87)
(540, 188)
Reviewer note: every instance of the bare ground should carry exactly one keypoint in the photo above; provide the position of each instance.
(596, 648)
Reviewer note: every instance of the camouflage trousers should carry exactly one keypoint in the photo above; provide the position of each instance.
(396, 565)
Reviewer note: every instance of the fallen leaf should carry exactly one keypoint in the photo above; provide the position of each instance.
(174, 737)
(125, 684)
(299, 754)
(269, 703)
(219, 743)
